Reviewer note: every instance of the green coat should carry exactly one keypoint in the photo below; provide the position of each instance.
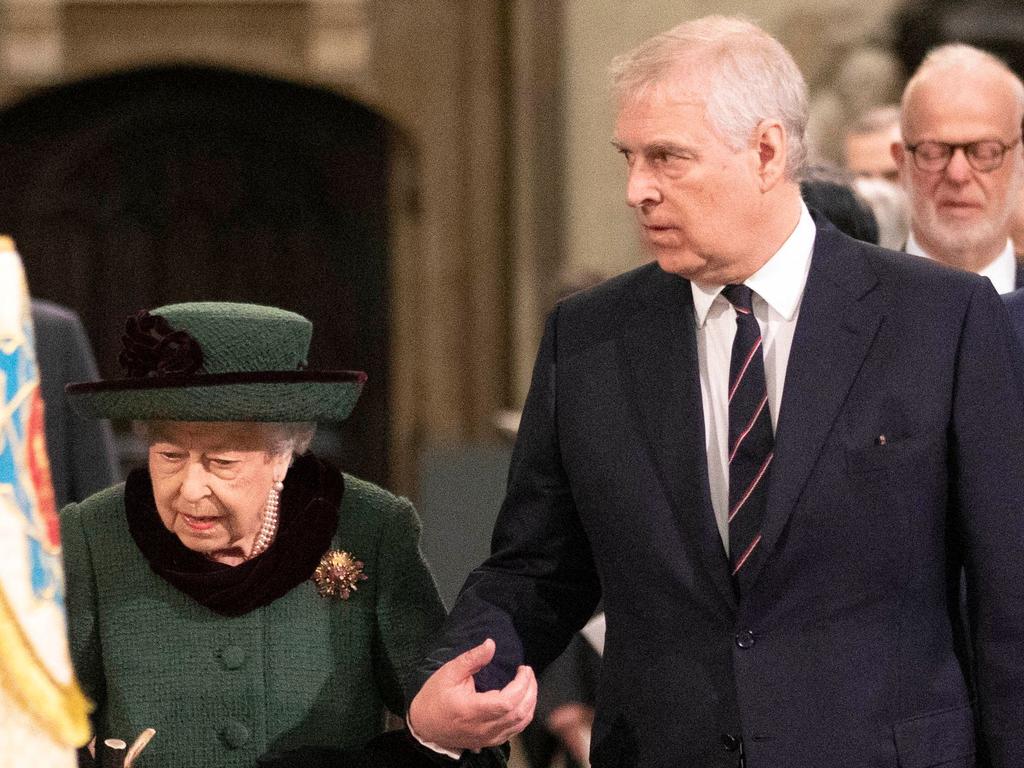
(304, 670)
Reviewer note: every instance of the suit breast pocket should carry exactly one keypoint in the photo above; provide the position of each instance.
(887, 454)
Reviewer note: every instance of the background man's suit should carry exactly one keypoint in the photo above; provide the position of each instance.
(1015, 305)
(899, 448)
(81, 451)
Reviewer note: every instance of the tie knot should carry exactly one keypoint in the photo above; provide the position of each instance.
(740, 297)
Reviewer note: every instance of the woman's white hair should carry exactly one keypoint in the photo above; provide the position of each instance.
(289, 437)
(747, 76)
(278, 437)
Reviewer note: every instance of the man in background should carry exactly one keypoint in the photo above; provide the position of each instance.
(867, 155)
(82, 455)
(961, 161)
(867, 145)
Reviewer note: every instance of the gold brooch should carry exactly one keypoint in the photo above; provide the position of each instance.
(338, 574)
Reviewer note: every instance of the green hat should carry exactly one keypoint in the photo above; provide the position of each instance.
(217, 361)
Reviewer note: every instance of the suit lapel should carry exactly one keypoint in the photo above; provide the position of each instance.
(839, 317)
(659, 351)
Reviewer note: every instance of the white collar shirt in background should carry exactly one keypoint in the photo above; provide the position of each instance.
(1002, 270)
(778, 287)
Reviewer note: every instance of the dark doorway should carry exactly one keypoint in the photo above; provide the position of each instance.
(183, 183)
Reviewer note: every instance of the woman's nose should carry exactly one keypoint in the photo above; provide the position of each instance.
(195, 486)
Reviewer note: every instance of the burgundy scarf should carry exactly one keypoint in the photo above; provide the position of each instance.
(308, 516)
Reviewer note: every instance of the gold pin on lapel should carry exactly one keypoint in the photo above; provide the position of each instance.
(338, 574)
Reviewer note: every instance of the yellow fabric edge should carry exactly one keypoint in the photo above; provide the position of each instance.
(60, 710)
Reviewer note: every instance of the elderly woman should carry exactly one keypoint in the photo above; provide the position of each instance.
(237, 595)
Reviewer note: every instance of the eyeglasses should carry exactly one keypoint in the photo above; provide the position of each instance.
(983, 156)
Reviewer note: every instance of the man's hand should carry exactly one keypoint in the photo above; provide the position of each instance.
(449, 712)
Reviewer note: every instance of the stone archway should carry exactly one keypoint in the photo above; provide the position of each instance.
(182, 183)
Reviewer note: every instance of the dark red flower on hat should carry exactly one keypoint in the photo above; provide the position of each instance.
(151, 347)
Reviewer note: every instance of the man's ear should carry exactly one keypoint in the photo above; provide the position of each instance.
(770, 138)
(899, 153)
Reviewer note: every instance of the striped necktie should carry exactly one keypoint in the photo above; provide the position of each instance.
(750, 438)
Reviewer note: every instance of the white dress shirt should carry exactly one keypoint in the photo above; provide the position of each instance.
(1002, 270)
(778, 287)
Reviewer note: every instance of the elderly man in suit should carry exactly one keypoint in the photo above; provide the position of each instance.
(770, 453)
(961, 161)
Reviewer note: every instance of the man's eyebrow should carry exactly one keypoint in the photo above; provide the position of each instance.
(669, 147)
(656, 147)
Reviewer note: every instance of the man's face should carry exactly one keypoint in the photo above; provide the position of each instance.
(960, 210)
(869, 155)
(693, 195)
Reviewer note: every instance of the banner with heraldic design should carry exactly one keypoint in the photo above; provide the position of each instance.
(43, 714)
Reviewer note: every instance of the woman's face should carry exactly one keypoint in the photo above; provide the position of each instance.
(211, 481)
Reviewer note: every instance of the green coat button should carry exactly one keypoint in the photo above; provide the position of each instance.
(234, 734)
(232, 657)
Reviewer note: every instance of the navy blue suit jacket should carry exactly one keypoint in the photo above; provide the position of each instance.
(843, 652)
(1015, 305)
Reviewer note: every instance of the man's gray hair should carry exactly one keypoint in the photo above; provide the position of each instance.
(748, 77)
(960, 56)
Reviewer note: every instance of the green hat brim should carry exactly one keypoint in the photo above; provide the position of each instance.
(286, 396)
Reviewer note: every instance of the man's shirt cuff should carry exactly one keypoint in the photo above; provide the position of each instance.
(432, 747)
